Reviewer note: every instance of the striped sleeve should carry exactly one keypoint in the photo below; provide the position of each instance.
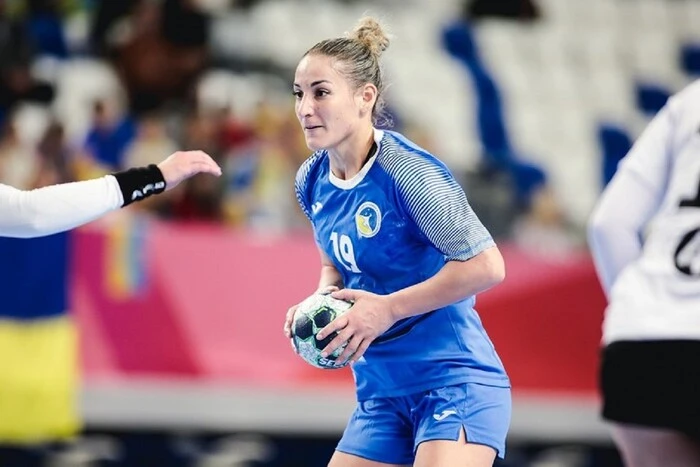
(301, 184)
(438, 206)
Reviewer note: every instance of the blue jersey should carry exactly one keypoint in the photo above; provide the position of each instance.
(393, 225)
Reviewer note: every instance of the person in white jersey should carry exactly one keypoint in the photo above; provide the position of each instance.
(645, 238)
(56, 208)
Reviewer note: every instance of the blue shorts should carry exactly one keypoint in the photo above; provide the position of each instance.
(390, 429)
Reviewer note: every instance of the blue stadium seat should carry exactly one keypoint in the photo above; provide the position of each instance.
(651, 97)
(615, 143)
(690, 58)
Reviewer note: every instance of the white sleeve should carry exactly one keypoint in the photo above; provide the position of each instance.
(615, 230)
(55, 208)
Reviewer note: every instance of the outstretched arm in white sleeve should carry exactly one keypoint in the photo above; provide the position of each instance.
(56, 208)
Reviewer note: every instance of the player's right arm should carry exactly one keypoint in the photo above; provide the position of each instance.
(330, 280)
(56, 208)
(629, 201)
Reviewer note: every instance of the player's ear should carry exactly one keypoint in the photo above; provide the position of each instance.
(367, 96)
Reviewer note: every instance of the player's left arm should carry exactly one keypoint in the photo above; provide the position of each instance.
(439, 208)
(456, 281)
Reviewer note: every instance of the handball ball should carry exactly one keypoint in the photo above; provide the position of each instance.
(312, 315)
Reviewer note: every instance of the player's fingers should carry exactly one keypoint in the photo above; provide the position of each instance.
(327, 290)
(205, 167)
(335, 343)
(349, 295)
(336, 325)
(207, 160)
(353, 346)
(203, 156)
(364, 345)
(185, 158)
(290, 313)
(288, 319)
(212, 169)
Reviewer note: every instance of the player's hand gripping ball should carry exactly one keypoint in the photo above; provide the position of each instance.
(312, 315)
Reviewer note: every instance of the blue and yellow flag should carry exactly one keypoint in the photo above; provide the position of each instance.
(38, 342)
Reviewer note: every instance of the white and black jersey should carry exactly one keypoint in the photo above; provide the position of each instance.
(645, 231)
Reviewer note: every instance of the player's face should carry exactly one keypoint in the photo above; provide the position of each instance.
(327, 105)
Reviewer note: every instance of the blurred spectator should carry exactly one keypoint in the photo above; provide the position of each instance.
(150, 145)
(111, 133)
(109, 19)
(45, 26)
(160, 52)
(184, 25)
(200, 200)
(54, 157)
(545, 230)
(273, 187)
(521, 10)
(16, 56)
(234, 132)
(18, 163)
(241, 166)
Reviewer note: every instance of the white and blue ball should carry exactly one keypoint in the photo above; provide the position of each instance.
(312, 315)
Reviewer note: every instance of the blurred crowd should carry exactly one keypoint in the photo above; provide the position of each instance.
(158, 51)
(88, 87)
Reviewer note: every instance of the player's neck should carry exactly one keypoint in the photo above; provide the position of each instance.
(350, 156)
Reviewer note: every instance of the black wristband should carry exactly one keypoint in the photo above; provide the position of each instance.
(139, 183)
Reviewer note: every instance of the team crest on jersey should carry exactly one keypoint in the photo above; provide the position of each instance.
(368, 219)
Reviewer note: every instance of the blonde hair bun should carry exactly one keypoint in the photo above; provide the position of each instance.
(370, 33)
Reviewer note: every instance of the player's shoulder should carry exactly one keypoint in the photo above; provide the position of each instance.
(308, 170)
(686, 98)
(690, 90)
(404, 160)
(682, 110)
